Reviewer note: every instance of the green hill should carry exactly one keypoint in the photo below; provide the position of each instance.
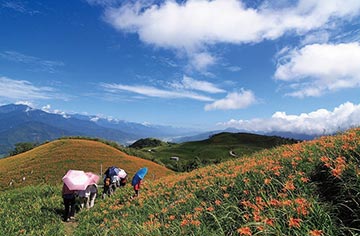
(147, 143)
(217, 148)
(310, 188)
(47, 163)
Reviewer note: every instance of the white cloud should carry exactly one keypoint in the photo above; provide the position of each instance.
(318, 122)
(320, 37)
(201, 61)
(36, 64)
(105, 3)
(233, 68)
(155, 92)
(25, 92)
(46, 108)
(192, 84)
(235, 100)
(319, 68)
(19, 7)
(62, 113)
(27, 103)
(195, 24)
(22, 89)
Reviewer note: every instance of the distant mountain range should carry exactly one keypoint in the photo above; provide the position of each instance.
(21, 123)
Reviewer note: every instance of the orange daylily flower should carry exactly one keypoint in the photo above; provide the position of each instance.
(316, 232)
(294, 222)
(289, 185)
(244, 231)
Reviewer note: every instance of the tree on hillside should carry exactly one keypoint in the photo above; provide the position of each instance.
(146, 142)
(22, 147)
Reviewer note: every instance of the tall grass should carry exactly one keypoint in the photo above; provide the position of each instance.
(31, 211)
(274, 192)
(310, 188)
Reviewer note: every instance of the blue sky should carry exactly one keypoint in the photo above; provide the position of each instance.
(253, 65)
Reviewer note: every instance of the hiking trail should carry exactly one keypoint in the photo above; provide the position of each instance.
(70, 228)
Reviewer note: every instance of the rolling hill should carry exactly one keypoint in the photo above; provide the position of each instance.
(49, 162)
(309, 188)
(217, 148)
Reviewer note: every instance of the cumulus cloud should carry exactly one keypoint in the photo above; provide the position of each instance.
(150, 91)
(319, 68)
(318, 122)
(192, 84)
(235, 100)
(22, 89)
(195, 24)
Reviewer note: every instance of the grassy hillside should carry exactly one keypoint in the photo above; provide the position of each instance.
(49, 162)
(32, 210)
(217, 148)
(310, 188)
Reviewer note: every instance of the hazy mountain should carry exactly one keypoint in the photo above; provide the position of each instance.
(20, 123)
(142, 130)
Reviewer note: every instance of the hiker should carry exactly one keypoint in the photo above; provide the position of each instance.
(136, 189)
(115, 181)
(93, 193)
(69, 203)
(84, 196)
(111, 181)
(122, 178)
(123, 181)
(108, 187)
(137, 179)
(87, 196)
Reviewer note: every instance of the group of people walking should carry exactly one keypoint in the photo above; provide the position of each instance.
(83, 195)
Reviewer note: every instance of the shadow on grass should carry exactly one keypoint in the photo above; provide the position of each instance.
(342, 194)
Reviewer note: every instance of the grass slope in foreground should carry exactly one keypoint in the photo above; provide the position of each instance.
(49, 162)
(310, 188)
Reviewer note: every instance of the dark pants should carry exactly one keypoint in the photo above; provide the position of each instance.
(69, 203)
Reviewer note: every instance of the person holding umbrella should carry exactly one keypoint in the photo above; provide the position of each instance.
(73, 180)
(136, 181)
(69, 203)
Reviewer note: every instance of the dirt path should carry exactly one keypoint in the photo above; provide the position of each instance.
(70, 228)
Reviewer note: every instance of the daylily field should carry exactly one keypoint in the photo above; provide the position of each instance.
(310, 188)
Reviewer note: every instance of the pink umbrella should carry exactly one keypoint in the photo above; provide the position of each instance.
(76, 180)
(93, 177)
